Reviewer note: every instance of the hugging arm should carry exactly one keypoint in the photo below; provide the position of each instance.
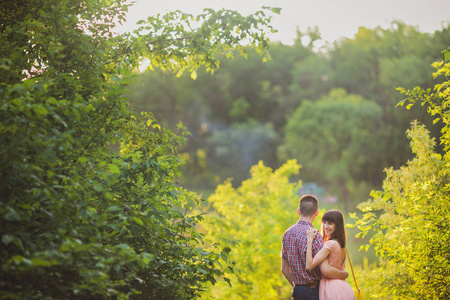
(332, 272)
(321, 259)
(321, 256)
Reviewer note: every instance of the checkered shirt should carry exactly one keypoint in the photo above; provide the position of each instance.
(294, 251)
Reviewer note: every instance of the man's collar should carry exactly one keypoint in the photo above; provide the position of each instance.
(300, 221)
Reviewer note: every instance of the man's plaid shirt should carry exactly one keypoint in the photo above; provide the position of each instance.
(294, 251)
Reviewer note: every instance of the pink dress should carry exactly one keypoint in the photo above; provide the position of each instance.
(335, 289)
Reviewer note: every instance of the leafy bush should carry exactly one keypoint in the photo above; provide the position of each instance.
(255, 214)
(409, 218)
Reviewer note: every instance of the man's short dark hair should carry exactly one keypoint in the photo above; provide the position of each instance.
(308, 205)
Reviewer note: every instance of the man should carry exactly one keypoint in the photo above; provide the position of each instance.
(293, 254)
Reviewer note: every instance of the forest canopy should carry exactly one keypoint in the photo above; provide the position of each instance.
(247, 111)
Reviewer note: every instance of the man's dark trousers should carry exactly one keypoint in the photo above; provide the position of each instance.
(302, 292)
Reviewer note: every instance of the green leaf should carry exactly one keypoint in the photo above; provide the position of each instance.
(98, 188)
(194, 75)
(114, 208)
(446, 55)
(19, 259)
(76, 113)
(147, 257)
(138, 221)
(42, 263)
(40, 110)
(12, 215)
(227, 280)
(114, 169)
(6, 239)
(82, 159)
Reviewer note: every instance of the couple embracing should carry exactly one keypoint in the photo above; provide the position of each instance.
(314, 265)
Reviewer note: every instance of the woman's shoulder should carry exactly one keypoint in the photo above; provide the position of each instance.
(331, 244)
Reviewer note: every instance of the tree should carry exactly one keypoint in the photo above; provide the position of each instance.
(376, 61)
(90, 203)
(337, 140)
(409, 217)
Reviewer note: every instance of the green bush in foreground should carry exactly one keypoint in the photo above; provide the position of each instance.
(90, 207)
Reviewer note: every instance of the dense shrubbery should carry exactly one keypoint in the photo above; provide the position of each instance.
(409, 217)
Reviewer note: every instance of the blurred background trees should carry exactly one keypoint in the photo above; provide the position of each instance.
(333, 138)
(247, 110)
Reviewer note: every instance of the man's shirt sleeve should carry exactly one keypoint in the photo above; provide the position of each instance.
(283, 253)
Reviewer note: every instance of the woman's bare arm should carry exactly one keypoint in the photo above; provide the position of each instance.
(323, 253)
(311, 262)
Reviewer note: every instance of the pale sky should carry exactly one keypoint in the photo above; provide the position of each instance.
(334, 18)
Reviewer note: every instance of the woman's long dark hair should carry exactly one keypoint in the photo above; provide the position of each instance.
(335, 217)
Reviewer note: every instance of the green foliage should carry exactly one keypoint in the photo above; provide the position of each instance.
(91, 208)
(376, 61)
(243, 90)
(406, 71)
(333, 139)
(167, 40)
(409, 218)
(244, 101)
(357, 61)
(255, 214)
(310, 78)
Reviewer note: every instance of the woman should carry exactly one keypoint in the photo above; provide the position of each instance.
(334, 237)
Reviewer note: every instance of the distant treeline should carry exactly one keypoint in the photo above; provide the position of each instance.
(334, 109)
